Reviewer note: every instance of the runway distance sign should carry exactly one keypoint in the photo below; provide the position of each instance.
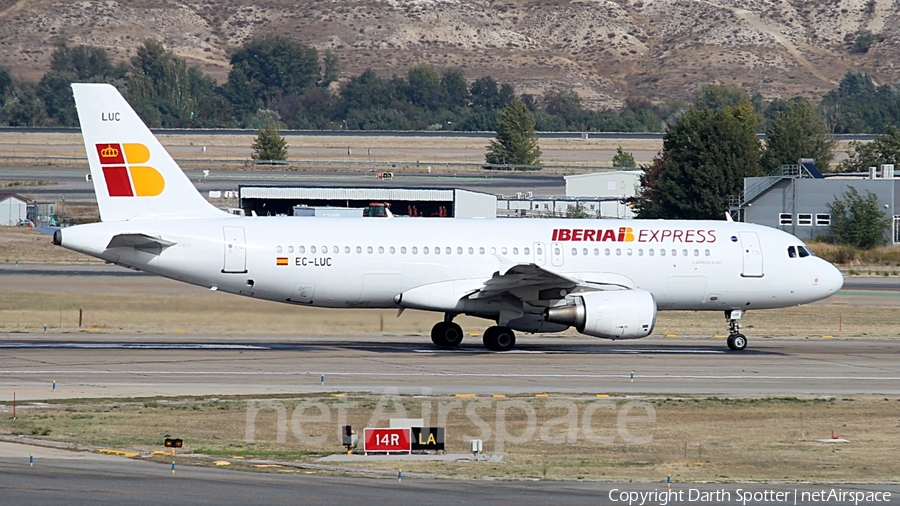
(387, 440)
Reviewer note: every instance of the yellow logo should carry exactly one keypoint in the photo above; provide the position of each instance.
(109, 152)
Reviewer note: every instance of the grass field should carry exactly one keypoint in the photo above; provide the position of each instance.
(702, 439)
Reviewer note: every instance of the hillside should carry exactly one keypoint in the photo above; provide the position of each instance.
(604, 50)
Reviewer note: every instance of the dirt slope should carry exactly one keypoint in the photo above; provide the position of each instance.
(606, 50)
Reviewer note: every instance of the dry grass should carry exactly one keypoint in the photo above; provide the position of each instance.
(26, 246)
(693, 439)
(155, 305)
(882, 258)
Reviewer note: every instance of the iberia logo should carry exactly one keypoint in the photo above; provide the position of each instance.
(624, 234)
(124, 172)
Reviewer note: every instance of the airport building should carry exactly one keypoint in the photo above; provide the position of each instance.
(429, 202)
(13, 209)
(795, 198)
(598, 195)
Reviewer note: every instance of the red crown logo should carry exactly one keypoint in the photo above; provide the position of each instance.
(109, 152)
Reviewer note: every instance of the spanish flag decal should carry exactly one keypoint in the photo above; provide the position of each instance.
(124, 172)
(281, 261)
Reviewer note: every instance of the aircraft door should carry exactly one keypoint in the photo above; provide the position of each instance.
(752, 253)
(557, 254)
(540, 253)
(235, 250)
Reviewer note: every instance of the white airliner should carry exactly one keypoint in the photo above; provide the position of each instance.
(606, 278)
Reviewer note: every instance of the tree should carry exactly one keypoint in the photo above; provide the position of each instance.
(456, 90)
(275, 64)
(623, 158)
(719, 96)
(858, 220)
(331, 69)
(86, 62)
(24, 107)
(424, 87)
(798, 132)
(705, 158)
(516, 142)
(166, 92)
(269, 144)
(484, 93)
(884, 149)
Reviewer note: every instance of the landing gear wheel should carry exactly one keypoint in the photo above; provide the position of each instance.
(737, 342)
(446, 334)
(499, 339)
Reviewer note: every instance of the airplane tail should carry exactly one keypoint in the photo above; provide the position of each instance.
(134, 177)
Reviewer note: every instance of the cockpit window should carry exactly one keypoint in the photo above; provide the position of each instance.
(803, 251)
(792, 252)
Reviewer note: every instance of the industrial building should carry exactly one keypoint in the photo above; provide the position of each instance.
(428, 202)
(13, 209)
(795, 198)
(598, 194)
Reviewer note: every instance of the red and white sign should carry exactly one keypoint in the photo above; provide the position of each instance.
(387, 440)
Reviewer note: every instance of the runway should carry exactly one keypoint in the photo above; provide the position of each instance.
(119, 481)
(167, 365)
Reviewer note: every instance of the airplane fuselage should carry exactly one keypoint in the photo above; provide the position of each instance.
(367, 262)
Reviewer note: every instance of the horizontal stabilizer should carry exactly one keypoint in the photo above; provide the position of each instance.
(140, 242)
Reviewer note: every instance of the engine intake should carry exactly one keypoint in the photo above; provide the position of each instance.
(621, 314)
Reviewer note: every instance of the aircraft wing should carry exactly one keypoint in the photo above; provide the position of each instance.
(527, 282)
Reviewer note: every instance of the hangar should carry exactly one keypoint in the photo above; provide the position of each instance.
(436, 202)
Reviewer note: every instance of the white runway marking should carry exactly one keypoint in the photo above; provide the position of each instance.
(135, 346)
(449, 374)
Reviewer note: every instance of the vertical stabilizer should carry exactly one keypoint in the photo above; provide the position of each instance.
(134, 177)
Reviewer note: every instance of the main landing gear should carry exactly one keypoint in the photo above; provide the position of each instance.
(736, 340)
(499, 338)
(447, 334)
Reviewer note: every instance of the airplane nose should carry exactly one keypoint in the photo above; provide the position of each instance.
(832, 280)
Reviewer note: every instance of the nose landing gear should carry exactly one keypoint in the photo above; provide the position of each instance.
(736, 341)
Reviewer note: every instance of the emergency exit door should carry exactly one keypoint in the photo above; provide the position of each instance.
(235, 250)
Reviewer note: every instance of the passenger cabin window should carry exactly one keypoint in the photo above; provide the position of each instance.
(792, 252)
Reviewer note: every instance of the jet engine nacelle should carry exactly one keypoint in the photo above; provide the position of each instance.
(620, 314)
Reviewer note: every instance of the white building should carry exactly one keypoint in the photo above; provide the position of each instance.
(615, 183)
(13, 209)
